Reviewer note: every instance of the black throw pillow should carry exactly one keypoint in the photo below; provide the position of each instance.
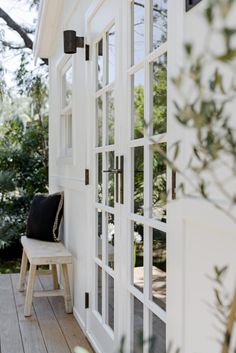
(44, 217)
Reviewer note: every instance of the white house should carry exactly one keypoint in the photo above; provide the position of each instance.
(140, 266)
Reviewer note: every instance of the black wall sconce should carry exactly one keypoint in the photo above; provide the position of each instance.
(72, 42)
(191, 3)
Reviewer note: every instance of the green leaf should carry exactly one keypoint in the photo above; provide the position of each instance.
(218, 298)
(188, 48)
(209, 14)
(202, 188)
(177, 81)
(195, 151)
(228, 56)
(219, 80)
(176, 150)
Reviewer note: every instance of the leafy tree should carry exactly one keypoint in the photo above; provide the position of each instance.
(23, 130)
(138, 111)
(159, 95)
(158, 126)
(24, 41)
(23, 172)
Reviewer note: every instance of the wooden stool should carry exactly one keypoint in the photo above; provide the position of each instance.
(39, 252)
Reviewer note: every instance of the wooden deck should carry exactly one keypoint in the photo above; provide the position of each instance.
(48, 330)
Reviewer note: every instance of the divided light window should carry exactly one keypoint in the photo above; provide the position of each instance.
(66, 109)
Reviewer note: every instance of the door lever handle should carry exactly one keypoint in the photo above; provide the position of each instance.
(119, 171)
(114, 171)
(121, 179)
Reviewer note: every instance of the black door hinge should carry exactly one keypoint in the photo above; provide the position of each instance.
(86, 176)
(87, 52)
(191, 3)
(86, 302)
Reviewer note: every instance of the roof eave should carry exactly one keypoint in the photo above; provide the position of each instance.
(48, 21)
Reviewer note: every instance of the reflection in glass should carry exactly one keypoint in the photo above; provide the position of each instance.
(110, 302)
(99, 290)
(158, 335)
(159, 20)
(137, 325)
(138, 14)
(159, 268)
(67, 79)
(110, 179)
(138, 180)
(69, 130)
(138, 247)
(110, 117)
(111, 54)
(100, 69)
(99, 177)
(99, 121)
(138, 104)
(99, 234)
(110, 223)
(159, 94)
(159, 183)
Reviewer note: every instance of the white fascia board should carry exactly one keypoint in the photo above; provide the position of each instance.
(48, 20)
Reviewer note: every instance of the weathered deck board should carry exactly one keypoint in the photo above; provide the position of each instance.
(48, 330)
(51, 331)
(30, 330)
(68, 324)
(10, 336)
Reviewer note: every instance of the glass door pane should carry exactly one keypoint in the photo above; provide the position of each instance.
(158, 268)
(159, 22)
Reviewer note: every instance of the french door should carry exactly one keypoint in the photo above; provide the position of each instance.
(102, 28)
(128, 84)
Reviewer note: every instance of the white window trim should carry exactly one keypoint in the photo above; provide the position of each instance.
(65, 152)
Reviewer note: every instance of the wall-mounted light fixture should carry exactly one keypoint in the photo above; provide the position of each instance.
(72, 42)
(191, 3)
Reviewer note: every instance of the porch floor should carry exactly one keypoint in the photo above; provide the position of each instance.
(48, 330)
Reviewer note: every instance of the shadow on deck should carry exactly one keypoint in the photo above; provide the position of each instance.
(48, 330)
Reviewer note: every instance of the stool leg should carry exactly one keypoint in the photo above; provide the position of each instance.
(54, 276)
(29, 291)
(23, 269)
(66, 286)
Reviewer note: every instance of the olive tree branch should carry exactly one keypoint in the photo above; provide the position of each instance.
(23, 33)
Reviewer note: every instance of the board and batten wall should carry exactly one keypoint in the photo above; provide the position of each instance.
(199, 236)
(67, 173)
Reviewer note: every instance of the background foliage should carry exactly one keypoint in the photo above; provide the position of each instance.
(23, 128)
(23, 172)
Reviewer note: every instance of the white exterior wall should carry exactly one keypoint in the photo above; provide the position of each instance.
(199, 236)
(67, 173)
